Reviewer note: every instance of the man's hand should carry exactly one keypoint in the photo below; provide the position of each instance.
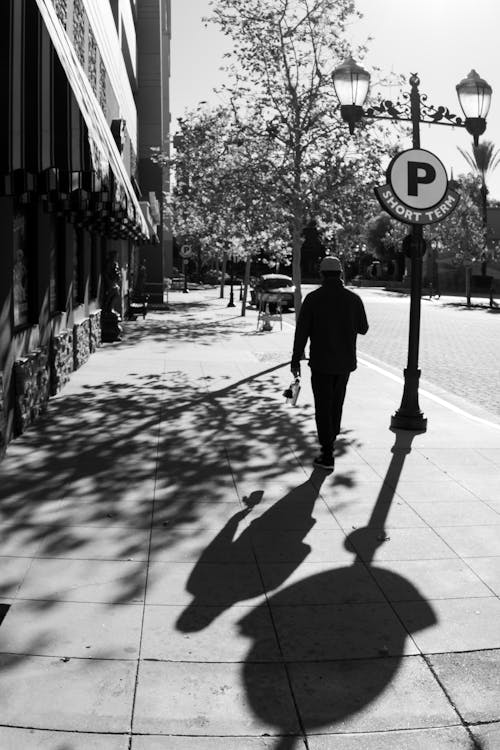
(295, 368)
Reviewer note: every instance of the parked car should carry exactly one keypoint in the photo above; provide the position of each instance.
(276, 283)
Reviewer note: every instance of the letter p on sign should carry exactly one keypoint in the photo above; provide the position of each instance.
(419, 172)
(418, 178)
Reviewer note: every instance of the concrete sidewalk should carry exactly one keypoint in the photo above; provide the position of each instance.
(175, 576)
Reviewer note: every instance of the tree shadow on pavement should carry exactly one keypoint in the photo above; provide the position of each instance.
(185, 326)
(340, 640)
(123, 468)
(473, 307)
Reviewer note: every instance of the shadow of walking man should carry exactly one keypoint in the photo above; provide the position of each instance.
(340, 639)
(226, 574)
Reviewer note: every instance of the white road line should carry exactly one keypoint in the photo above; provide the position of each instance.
(427, 394)
(431, 396)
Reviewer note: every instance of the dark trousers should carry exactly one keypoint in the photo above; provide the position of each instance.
(329, 394)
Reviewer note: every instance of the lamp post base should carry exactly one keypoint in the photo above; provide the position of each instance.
(414, 422)
(409, 416)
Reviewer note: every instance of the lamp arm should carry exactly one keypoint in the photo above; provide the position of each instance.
(413, 109)
(388, 110)
(371, 116)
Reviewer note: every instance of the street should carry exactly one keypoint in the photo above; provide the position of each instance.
(458, 346)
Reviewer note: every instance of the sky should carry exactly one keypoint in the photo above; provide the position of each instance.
(441, 40)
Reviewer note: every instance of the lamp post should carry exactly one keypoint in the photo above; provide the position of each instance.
(352, 83)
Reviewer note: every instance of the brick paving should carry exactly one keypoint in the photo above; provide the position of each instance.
(459, 347)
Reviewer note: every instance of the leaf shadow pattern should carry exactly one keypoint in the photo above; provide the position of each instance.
(121, 468)
(183, 324)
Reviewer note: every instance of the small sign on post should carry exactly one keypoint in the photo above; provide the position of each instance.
(186, 251)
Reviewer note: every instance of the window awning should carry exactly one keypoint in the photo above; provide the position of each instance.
(105, 154)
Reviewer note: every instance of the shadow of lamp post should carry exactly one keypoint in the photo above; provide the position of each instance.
(352, 83)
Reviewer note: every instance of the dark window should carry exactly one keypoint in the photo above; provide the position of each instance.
(114, 8)
(24, 271)
(53, 270)
(21, 269)
(61, 263)
(95, 265)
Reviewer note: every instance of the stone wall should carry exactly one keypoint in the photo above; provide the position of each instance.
(61, 360)
(81, 343)
(45, 371)
(32, 385)
(95, 330)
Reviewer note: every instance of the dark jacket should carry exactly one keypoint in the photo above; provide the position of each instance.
(331, 317)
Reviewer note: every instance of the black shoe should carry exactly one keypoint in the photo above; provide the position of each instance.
(325, 462)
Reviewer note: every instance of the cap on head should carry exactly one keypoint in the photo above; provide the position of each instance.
(330, 263)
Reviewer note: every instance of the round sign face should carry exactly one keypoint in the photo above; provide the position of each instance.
(418, 178)
(185, 251)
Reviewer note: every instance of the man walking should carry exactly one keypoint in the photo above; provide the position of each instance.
(331, 317)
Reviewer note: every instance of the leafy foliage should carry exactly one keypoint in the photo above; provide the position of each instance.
(384, 236)
(462, 231)
(278, 156)
(483, 159)
(223, 196)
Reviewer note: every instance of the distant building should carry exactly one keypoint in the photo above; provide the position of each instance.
(153, 106)
(74, 134)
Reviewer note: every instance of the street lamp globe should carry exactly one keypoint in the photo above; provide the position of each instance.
(351, 82)
(474, 95)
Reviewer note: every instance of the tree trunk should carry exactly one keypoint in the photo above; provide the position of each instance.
(296, 270)
(223, 275)
(467, 284)
(297, 228)
(246, 281)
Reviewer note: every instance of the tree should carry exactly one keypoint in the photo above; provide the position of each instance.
(281, 89)
(462, 231)
(384, 236)
(223, 197)
(459, 238)
(483, 160)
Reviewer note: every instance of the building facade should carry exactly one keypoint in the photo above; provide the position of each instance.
(73, 214)
(153, 62)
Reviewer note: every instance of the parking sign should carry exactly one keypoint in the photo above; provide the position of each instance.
(417, 190)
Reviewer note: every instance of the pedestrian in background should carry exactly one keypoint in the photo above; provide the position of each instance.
(331, 318)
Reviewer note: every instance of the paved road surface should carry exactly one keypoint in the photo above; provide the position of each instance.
(459, 346)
